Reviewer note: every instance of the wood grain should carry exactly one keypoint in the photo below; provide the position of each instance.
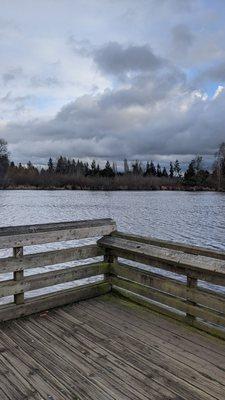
(54, 232)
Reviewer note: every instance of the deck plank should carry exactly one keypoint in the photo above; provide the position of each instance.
(163, 382)
(76, 360)
(128, 375)
(157, 361)
(108, 348)
(205, 352)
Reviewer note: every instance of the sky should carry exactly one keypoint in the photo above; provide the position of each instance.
(112, 79)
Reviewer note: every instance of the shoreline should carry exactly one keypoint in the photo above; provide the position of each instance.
(118, 189)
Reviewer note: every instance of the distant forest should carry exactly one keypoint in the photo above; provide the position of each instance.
(66, 173)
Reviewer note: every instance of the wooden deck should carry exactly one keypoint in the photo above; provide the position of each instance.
(108, 348)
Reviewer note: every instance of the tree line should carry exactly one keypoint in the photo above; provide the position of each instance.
(76, 174)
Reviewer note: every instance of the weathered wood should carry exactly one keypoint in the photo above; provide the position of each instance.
(149, 278)
(186, 248)
(72, 356)
(51, 278)
(86, 352)
(204, 297)
(136, 342)
(46, 233)
(191, 284)
(18, 275)
(158, 308)
(43, 259)
(201, 306)
(46, 302)
(171, 301)
(168, 330)
(200, 267)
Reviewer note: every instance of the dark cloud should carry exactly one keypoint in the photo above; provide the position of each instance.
(182, 39)
(115, 59)
(152, 112)
(145, 89)
(167, 120)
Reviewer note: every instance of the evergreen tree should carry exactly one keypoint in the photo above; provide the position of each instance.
(195, 174)
(30, 165)
(61, 165)
(171, 170)
(98, 169)
(73, 167)
(147, 169)
(50, 165)
(164, 172)
(4, 158)
(189, 175)
(177, 169)
(158, 171)
(220, 167)
(93, 168)
(152, 169)
(86, 169)
(108, 171)
(137, 168)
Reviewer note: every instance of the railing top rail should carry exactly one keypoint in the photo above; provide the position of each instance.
(26, 235)
(186, 248)
(202, 267)
(55, 226)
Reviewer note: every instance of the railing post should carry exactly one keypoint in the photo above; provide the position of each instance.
(18, 275)
(109, 259)
(191, 284)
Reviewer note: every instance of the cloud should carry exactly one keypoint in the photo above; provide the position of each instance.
(182, 39)
(11, 75)
(153, 113)
(215, 73)
(115, 59)
(218, 91)
(111, 79)
(49, 81)
(181, 5)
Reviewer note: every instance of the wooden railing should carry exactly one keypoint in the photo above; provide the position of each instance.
(20, 236)
(190, 299)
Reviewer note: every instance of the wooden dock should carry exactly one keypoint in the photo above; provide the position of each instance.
(131, 334)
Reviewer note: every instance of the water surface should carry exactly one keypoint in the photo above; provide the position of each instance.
(195, 218)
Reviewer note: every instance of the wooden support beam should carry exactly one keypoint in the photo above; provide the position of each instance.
(166, 244)
(10, 264)
(191, 284)
(51, 278)
(18, 275)
(55, 232)
(51, 300)
(201, 267)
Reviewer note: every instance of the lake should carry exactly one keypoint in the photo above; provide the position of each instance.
(189, 217)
